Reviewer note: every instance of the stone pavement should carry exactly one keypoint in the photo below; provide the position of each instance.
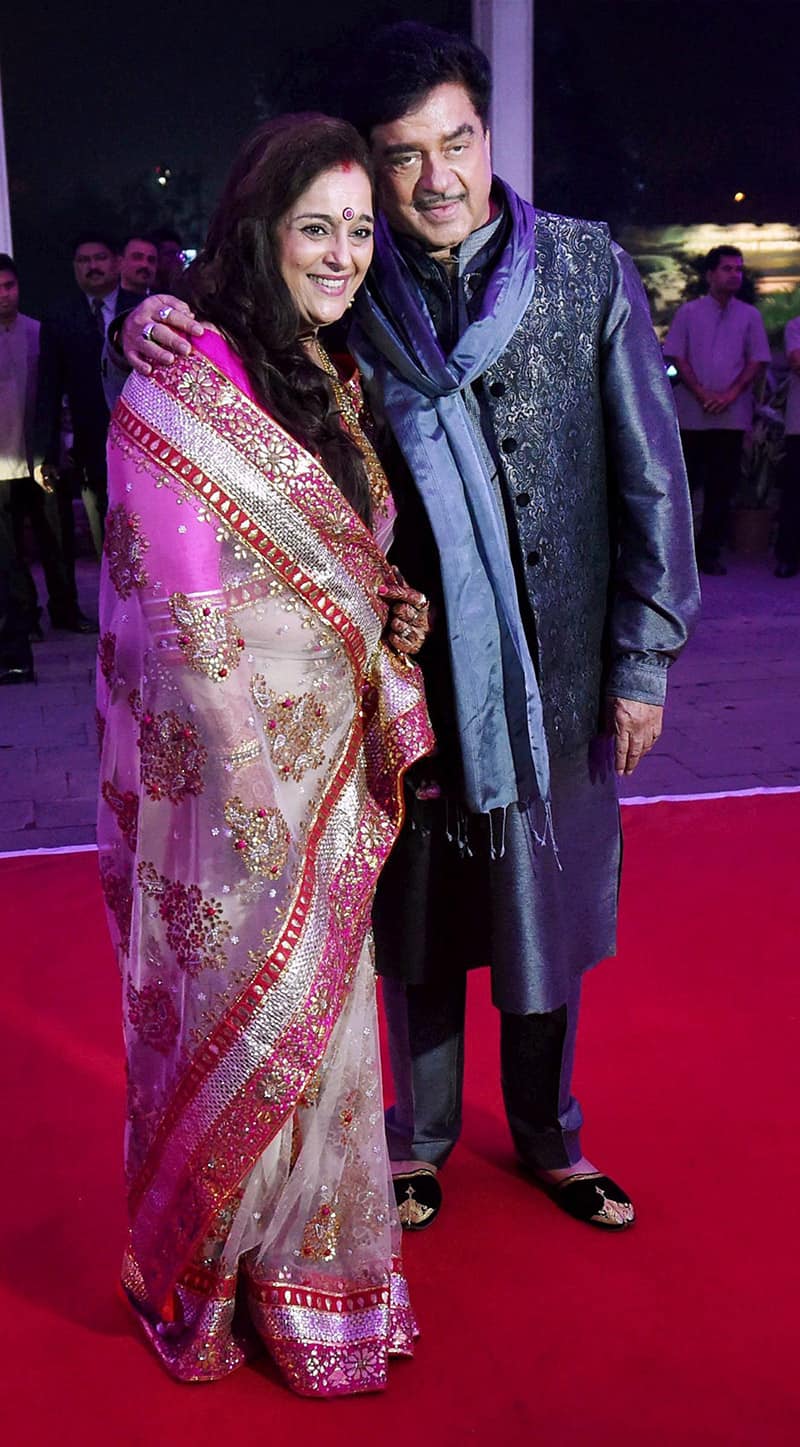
(733, 719)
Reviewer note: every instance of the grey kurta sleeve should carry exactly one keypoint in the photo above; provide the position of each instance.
(655, 594)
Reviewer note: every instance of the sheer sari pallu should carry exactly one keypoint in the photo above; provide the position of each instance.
(254, 735)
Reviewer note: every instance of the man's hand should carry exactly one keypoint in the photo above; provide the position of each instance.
(704, 396)
(634, 728)
(718, 402)
(174, 323)
(46, 475)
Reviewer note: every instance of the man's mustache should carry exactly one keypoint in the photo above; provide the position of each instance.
(433, 201)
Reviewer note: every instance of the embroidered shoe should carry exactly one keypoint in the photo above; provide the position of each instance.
(418, 1196)
(595, 1199)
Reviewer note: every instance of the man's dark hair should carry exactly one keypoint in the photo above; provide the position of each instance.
(715, 255)
(84, 238)
(7, 263)
(164, 233)
(401, 64)
(140, 235)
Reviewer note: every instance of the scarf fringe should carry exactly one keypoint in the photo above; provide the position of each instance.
(458, 821)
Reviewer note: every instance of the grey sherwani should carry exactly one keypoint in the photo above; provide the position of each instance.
(578, 417)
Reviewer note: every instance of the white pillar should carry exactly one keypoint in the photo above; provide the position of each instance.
(5, 209)
(504, 30)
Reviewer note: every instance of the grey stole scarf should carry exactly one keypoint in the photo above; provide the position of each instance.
(498, 705)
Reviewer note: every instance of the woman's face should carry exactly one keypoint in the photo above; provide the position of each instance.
(325, 243)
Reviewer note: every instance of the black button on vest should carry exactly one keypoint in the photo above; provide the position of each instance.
(533, 558)
(522, 499)
(497, 389)
(509, 444)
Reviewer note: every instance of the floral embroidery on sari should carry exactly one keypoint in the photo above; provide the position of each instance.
(260, 837)
(124, 549)
(296, 728)
(153, 1016)
(172, 755)
(196, 927)
(118, 896)
(208, 637)
(126, 808)
(320, 1234)
(106, 656)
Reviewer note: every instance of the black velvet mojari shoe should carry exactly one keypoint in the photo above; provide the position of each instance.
(418, 1196)
(10, 674)
(593, 1198)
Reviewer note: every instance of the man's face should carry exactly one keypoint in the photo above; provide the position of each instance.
(726, 277)
(139, 261)
(9, 296)
(434, 169)
(168, 253)
(96, 268)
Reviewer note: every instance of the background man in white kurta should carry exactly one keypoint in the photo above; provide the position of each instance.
(719, 347)
(19, 349)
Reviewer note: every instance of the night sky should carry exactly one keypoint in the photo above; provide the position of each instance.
(646, 110)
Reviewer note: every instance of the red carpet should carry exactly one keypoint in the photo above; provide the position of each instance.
(535, 1329)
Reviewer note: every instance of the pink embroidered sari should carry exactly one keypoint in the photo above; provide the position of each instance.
(254, 735)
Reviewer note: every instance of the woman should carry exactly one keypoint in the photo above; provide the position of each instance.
(255, 732)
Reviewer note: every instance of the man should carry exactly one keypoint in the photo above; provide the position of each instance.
(19, 347)
(511, 354)
(21, 497)
(719, 348)
(138, 263)
(71, 345)
(787, 545)
(169, 246)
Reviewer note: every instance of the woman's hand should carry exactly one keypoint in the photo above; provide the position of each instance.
(157, 331)
(408, 625)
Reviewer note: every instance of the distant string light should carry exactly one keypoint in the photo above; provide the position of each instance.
(163, 175)
(739, 196)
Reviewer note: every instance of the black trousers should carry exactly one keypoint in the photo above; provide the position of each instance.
(713, 461)
(787, 546)
(15, 584)
(50, 517)
(426, 1047)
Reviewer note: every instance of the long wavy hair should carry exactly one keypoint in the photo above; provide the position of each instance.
(236, 283)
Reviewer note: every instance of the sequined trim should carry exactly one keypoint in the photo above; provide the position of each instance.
(327, 1341)
(330, 1343)
(245, 753)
